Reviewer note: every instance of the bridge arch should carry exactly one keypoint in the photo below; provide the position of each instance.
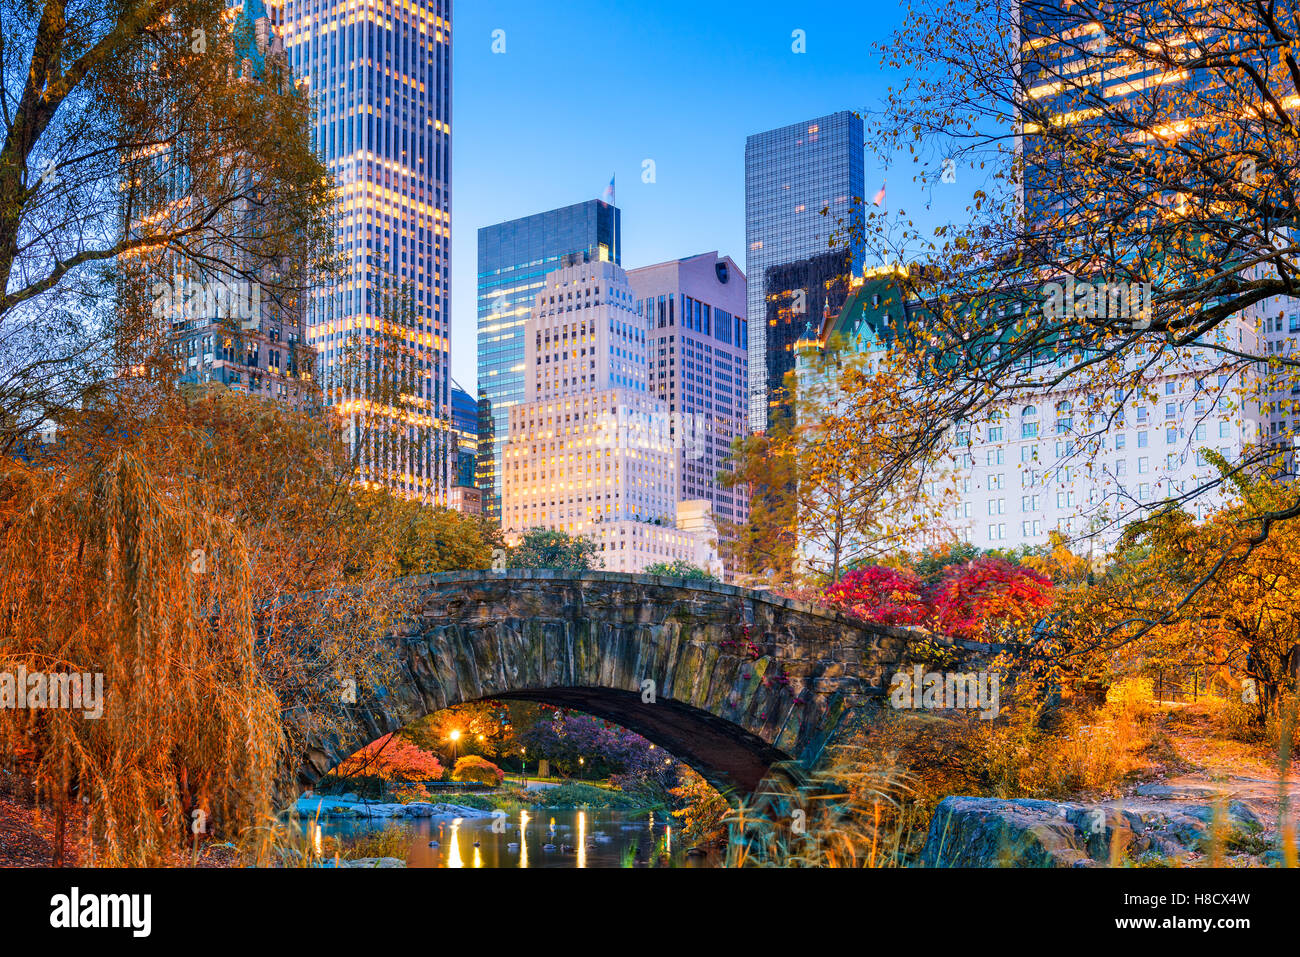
(726, 679)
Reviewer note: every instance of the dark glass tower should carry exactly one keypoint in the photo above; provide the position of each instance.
(791, 175)
(513, 261)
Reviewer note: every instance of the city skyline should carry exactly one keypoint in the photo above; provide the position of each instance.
(651, 108)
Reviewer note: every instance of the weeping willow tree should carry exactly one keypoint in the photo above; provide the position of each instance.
(105, 570)
(210, 556)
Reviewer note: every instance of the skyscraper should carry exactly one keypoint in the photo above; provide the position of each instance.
(234, 316)
(464, 413)
(589, 450)
(792, 174)
(514, 259)
(379, 74)
(699, 368)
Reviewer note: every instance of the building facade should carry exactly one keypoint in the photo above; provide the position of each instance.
(694, 309)
(1064, 458)
(588, 452)
(237, 318)
(514, 259)
(465, 496)
(792, 174)
(379, 74)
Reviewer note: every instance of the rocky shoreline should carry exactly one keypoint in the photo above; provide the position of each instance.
(350, 806)
(1157, 826)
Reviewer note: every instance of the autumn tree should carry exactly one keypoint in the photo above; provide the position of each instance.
(841, 410)
(1148, 612)
(1148, 147)
(990, 599)
(761, 549)
(205, 552)
(104, 110)
(889, 596)
(393, 758)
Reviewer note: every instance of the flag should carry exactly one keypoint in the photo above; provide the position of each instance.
(879, 199)
(609, 192)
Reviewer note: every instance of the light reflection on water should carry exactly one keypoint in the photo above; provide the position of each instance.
(547, 838)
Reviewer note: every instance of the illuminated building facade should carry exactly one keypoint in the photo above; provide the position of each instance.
(240, 324)
(589, 452)
(791, 175)
(699, 364)
(1064, 457)
(514, 259)
(379, 74)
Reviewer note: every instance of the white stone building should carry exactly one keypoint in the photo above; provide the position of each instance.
(590, 452)
(1067, 459)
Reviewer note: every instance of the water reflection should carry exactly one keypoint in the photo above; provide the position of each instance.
(580, 838)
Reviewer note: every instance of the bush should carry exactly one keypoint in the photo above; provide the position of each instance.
(575, 794)
(412, 793)
(473, 767)
(1130, 699)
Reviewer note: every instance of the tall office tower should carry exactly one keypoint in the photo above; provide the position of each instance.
(791, 175)
(236, 315)
(801, 296)
(465, 496)
(379, 73)
(514, 259)
(699, 367)
(589, 452)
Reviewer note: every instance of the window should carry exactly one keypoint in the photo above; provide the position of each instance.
(1143, 440)
(1144, 465)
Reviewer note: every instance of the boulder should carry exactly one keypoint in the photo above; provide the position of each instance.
(379, 862)
(995, 832)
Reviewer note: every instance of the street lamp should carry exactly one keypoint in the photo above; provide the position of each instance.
(523, 769)
(581, 762)
(455, 745)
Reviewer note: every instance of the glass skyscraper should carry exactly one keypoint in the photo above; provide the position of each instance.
(514, 259)
(379, 74)
(791, 175)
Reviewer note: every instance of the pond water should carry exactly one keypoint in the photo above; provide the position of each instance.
(585, 838)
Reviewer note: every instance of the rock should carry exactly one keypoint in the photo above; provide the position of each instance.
(1177, 792)
(419, 809)
(350, 796)
(372, 862)
(993, 832)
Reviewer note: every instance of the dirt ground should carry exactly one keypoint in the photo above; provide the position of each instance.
(1206, 765)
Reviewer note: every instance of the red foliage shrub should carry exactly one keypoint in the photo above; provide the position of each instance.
(888, 596)
(975, 598)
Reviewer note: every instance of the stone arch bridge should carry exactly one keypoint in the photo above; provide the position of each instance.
(728, 680)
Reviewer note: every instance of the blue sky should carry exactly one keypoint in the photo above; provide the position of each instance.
(588, 89)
